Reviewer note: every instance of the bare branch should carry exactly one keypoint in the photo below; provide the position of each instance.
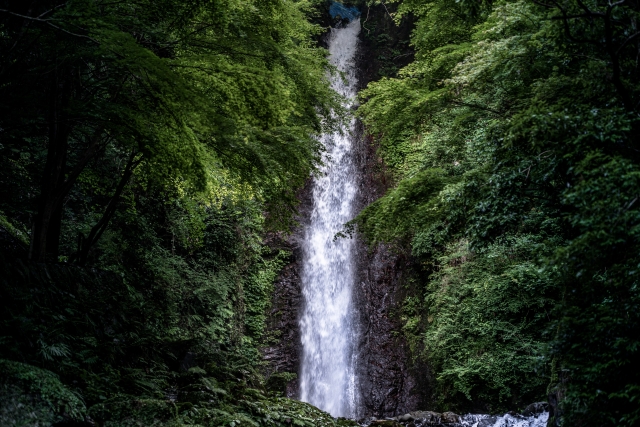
(387, 10)
(627, 41)
(48, 22)
(548, 6)
(586, 9)
(23, 16)
(96, 231)
(618, 3)
(51, 10)
(90, 152)
(582, 15)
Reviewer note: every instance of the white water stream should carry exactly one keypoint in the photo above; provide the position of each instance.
(327, 374)
(507, 420)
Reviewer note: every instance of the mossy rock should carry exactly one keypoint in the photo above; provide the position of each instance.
(278, 381)
(282, 411)
(35, 397)
(346, 422)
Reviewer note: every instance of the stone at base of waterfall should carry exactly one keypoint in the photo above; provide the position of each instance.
(450, 418)
(423, 419)
(535, 415)
(535, 409)
(424, 416)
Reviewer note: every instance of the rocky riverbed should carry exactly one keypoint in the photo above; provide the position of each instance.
(535, 415)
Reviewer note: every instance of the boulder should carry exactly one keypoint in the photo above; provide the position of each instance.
(450, 418)
(426, 416)
(404, 418)
(535, 409)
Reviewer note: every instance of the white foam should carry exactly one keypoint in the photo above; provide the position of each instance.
(507, 420)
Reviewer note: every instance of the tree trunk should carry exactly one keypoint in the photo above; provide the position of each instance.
(46, 236)
(85, 244)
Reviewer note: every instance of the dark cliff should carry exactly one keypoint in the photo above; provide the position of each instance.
(390, 383)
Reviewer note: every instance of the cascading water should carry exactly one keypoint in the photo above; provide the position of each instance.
(536, 418)
(327, 327)
(507, 420)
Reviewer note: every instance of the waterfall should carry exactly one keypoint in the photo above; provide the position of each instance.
(327, 325)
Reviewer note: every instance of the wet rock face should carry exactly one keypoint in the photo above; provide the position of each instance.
(284, 355)
(384, 44)
(388, 383)
(536, 409)
(284, 346)
(384, 380)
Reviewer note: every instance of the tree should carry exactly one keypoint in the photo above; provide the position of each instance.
(173, 87)
(520, 125)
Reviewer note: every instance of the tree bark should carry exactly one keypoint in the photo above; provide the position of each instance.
(46, 236)
(85, 244)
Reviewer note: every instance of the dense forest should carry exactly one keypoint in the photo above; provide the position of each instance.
(148, 149)
(513, 141)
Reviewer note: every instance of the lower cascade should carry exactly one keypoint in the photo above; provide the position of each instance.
(327, 327)
(535, 415)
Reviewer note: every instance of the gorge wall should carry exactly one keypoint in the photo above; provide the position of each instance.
(388, 382)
